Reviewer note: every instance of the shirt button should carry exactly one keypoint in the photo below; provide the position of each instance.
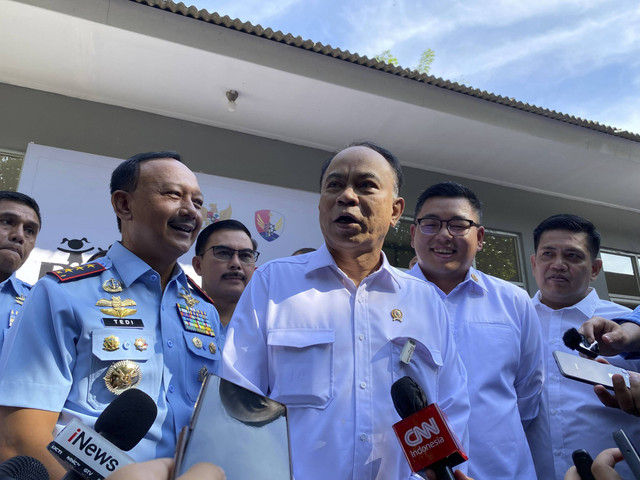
(169, 343)
(170, 388)
(557, 453)
(153, 277)
(363, 385)
(363, 437)
(361, 336)
(554, 411)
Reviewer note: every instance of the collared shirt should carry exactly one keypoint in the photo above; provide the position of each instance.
(56, 356)
(576, 418)
(498, 337)
(13, 292)
(305, 335)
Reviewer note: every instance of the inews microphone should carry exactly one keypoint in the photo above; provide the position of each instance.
(574, 340)
(23, 467)
(424, 434)
(93, 454)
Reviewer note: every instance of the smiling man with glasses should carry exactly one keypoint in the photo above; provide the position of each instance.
(225, 259)
(495, 327)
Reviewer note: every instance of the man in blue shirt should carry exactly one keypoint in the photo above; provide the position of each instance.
(131, 320)
(20, 223)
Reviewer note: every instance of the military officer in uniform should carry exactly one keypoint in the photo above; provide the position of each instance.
(19, 226)
(132, 319)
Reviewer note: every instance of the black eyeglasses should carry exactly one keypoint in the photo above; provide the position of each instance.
(455, 226)
(245, 255)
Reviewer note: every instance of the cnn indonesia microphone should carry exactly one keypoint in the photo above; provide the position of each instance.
(93, 454)
(424, 434)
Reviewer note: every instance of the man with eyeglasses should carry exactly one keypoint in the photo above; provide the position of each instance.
(324, 332)
(495, 327)
(226, 256)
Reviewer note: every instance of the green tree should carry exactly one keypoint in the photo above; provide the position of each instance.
(424, 66)
(10, 167)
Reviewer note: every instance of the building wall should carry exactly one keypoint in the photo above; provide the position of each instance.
(54, 120)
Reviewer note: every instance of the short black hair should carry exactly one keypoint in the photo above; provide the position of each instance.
(229, 224)
(451, 190)
(570, 223)
(125, 176)
(388, 156)
(24, 199)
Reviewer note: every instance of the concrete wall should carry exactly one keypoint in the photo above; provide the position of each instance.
(48, 119)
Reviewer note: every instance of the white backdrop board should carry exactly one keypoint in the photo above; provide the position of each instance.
(72, 189)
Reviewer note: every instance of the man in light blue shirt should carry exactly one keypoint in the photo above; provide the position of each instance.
(323, 332)
(20, 223)
(131, 320)
(565, 262)
(495, 327)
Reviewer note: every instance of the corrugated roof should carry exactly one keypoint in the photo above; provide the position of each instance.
(328, 50)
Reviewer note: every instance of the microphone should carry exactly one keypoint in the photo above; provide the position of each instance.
(23, 467)
(574, 340)
(424, 433)
(93, 454)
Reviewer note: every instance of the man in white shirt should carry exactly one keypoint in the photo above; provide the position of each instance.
(571, 417)
(323, 332)
(495, 328)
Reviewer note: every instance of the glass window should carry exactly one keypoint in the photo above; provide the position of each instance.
(397, 244)
(500, 257)
(10, 167)
(621, 274)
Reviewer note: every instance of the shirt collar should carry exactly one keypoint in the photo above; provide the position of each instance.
(587, 306)
(322, 258)
(130, 267)
(18, 286)
(472, 280)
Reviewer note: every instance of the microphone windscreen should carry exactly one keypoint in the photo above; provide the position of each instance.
(23, 468)
(127, 419)
(572, 338)
(408, 397)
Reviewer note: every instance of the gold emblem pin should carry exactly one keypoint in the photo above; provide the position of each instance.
(202, 373)
(111, 343)
(140, 344)
(118, 307)
(122, 376)
(396, 314)
(213, 348)
(20, 299)
(474, 277)
(112, 286)
(191, 302)
(197, 342)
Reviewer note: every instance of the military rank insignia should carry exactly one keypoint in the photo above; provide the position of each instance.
(195, 320)
(12, 317)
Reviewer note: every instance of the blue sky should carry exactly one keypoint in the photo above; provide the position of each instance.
(579, 57)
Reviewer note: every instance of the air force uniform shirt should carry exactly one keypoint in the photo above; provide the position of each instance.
(101, 328)
(12, 295)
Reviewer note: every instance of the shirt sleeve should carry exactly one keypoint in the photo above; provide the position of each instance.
(633, 316)
(244, 356)
(39, 352)
(530, 375)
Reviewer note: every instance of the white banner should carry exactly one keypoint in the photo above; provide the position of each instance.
(72, 189)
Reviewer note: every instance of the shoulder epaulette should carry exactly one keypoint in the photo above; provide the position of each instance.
(194, 285)
(75, 273)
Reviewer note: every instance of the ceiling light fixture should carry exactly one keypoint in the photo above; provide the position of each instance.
(232, 96)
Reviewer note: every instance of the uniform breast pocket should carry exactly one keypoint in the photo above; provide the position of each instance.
(203, 358)
(423, 363)
(302, 362)
(121, 359)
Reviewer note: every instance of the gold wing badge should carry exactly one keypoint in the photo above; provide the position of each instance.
(118, 308)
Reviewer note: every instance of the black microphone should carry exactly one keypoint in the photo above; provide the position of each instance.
(574, 340)
(424, 433)
(23, 467)
(93, 454)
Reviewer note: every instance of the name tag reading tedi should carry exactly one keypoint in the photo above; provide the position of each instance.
(123, 322)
